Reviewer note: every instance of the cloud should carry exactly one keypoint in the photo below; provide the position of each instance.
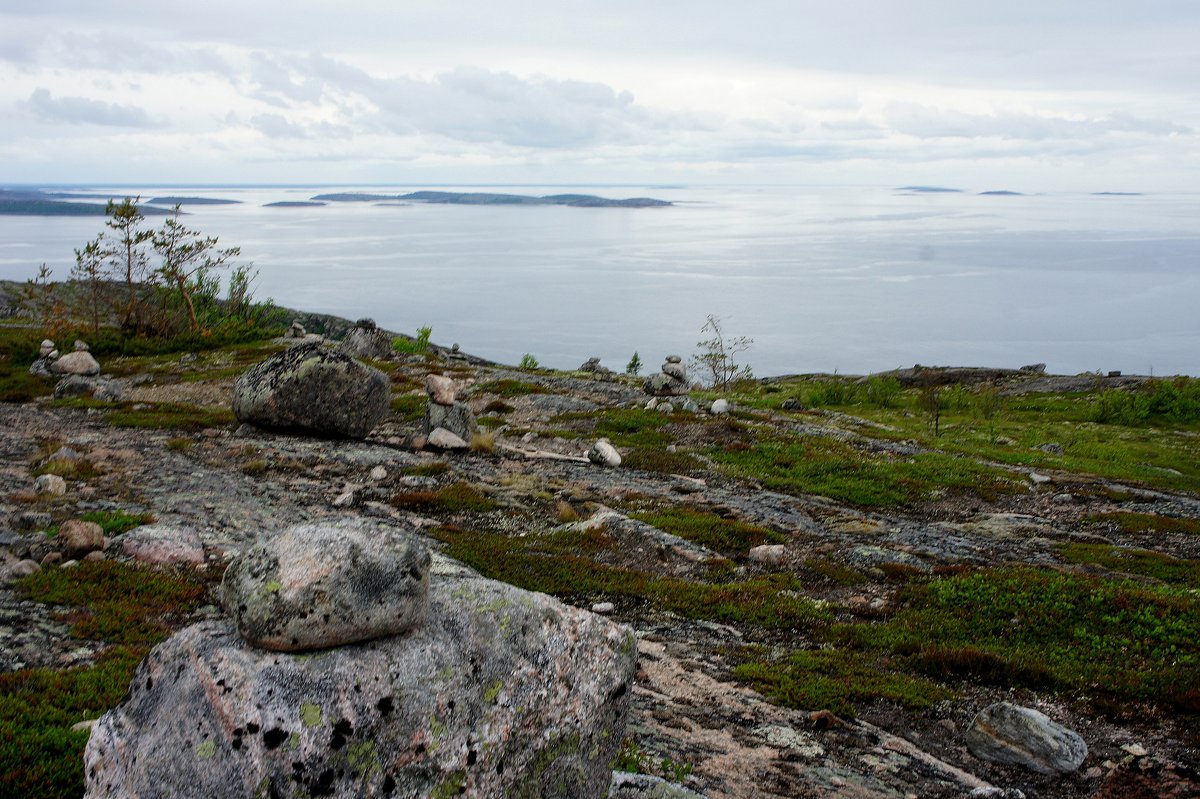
(931, 123)
(82, 111)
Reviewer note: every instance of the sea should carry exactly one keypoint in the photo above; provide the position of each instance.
(847, 279)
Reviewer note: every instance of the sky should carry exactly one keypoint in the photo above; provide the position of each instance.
(1052, 95)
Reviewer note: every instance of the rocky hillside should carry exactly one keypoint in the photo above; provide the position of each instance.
(827, 594)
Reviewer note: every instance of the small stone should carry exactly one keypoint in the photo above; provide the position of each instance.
(69, 564)
(378, 473)
(46, 348)
(1137, 750)
(1050, 449)
(529, 437)
(441, 438)
(674, 359)
(80, 726)
(666, 407)
(719, 407)
(314, 586)
(23, 568)
(674, 370)
(1039, 479)
(1094, 773)
(50, 484)
(440, 389)
(81, 346)
(603, 453)
(92, 557)
(31, 520)
(1063, 499)
(768, 554)
(52, 559)
(603, 608)
(791, 404)
(652, 404)
(79, 537)
(345, 499)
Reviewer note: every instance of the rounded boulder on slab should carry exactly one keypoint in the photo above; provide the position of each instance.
(314, 586)
(603, 453)
(79, 362)
(1013, 735)
(313, 388)
(78, 537)
(500, 693)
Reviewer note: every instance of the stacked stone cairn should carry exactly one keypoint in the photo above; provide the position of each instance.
(78, 372)
(356, 664)
(366, 340)
(449, 424)
(671, 380)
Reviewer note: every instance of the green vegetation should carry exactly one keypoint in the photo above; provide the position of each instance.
(115, 522)
(821, 465)
(435, 469)
(414, 346)
(1173, 401)
(170, 416)
(528, 362)
(1130, 522)
(509, 388)
(558, 564)
(715, 359)
(410, 407)
(727, 536)
(40, 755)
(634, 367)
(457, 498)
(1175, 571)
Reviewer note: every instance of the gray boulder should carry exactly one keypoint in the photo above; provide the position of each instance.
(671, 381)
(457, 419)
(313, 388)
(500, 692)
(46, 348)
(603, 453)
(314, 586)
(646, 786)
(97, 388)
(79, 362)
(77, 538)
(1012, 735)
(366, 340)
(719, 407)
(443, 439)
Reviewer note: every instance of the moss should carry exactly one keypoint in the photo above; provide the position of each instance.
(453, 786)
(410, 407)
(435, 469)
(833, 570)
(180, 444)
(115, 602)
(170, 416)
(310, 714)
(493, 691)
(115, 522)
(69, 468)
(255, 468)
(1176, 571)
(1129, 522)
(458, 498)
(727, 536)
(205, 750)
(663, 462)
(510, 388)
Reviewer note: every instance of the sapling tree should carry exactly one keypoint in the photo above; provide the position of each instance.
(89, 271)
(127, 258)
(188, 260)
(716, 357)
(635, 364)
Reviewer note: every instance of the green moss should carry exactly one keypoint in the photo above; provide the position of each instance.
(831, 468)
(493, 691)
(310, 714)
(510, 388)
(41, 757)
(1144, 562)
(1086, 635)
(663, 462)
(836, 571)
(834, 680)
(551, 564)
(180, 444)
(435, 469)
(410, 407)
(205, 750)
(458, 498)
(1129, 522)
(727, 536)
(450, 787)
(69, 468)
(115, 522)
(168, 416)
(115, 602)
(491, 421)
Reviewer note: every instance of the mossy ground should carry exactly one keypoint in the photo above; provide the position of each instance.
(128, 607)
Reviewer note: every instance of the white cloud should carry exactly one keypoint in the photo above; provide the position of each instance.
(84, 111)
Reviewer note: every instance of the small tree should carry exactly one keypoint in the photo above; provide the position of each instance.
(635, 365)
(127, 259)
(989, 405)
(188, 261)
(930, 401)
(528, 361)
(89, 272)
(716, 356)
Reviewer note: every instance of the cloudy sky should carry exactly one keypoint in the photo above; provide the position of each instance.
(1074, 95)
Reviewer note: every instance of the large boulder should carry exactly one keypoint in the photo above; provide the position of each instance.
(500, 692)
(457, 419)
(313, 388)
(320, 585)
(1013, 735)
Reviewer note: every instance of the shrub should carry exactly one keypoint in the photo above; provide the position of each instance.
(882, 391)
(415, 346)
(528, 361)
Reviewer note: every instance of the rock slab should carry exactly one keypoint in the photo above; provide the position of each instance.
(1020, 736)
(312, 388)
(314, 586)
(163, 545)
(501, 692)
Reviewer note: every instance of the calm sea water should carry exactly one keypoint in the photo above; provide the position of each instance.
(822, 278)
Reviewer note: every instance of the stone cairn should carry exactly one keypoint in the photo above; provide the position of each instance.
(671, 380)
(449, 424)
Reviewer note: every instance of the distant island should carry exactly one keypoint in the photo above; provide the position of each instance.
(486, 198)
(1001, 193)
(1116, 194)
(38, 203)
(929, 190)
(191, 201)
(294, 204)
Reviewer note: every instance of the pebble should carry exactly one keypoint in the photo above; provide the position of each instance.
(603, 608)
(378, 473)
(50, 484)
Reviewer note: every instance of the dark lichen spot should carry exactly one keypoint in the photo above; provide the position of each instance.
(389, 785)
(385, 706)
(500, 767)
(619, 692)
(323, 784)
(149, 683)
(273, 738)
(472, 757)
(252, 728)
